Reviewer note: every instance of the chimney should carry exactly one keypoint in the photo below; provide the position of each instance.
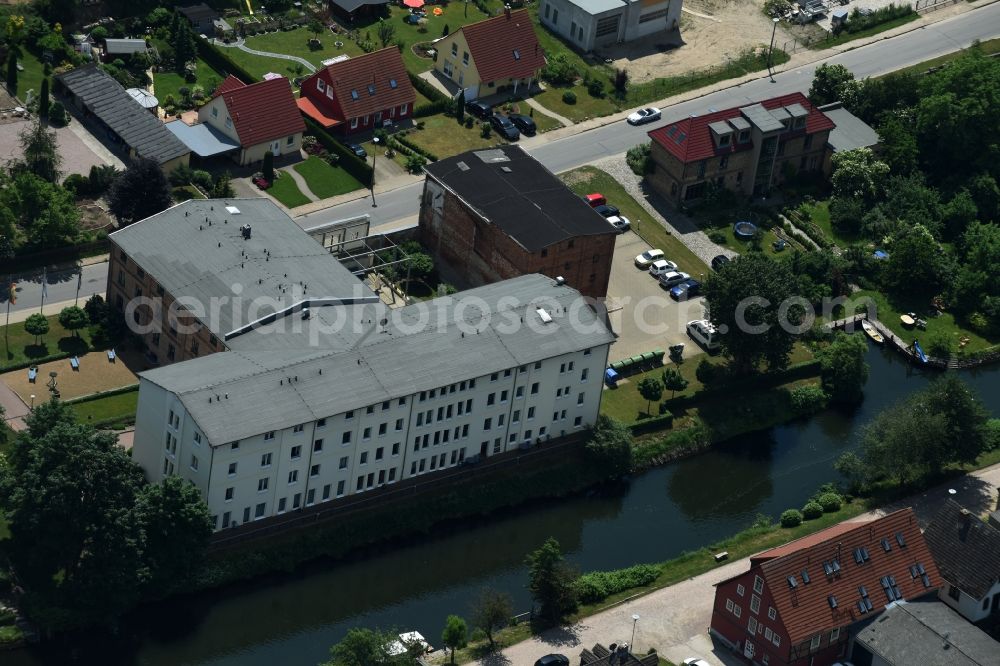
(506, 10)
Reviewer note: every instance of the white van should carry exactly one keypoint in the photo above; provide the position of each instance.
(702, 332)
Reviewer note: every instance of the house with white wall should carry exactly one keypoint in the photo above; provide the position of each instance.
(592, 24)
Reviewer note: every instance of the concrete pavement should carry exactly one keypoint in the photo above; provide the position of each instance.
(675, 619)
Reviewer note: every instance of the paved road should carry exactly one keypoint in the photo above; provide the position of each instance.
(585, 147)
(61, 287)
(675, 619)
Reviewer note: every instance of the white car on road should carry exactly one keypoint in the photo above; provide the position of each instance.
(648, 257)
(643, 116)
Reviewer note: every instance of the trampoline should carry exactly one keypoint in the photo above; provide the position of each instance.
(744, 230)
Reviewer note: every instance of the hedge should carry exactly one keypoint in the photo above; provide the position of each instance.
(426, 89)
(599, 585)
(347, 160)
(415, 148)
(221, 62)
(791, 518)
(439, 106)
(130, 388)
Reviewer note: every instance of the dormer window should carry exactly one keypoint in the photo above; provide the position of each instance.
(320, 86)
(800, 123)
(724, 140)
(354, 94)
(371, 88)
(744, 136)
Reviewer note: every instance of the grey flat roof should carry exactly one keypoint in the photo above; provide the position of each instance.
(796, 110)
(739, 123)
(850, 132)
(720, 127)
(196, 250)
(422, 346)
(125, 45)
(509, 188)
(136, 126)
(930, 634)
(761, 118)
(203, 140)
(598, 6)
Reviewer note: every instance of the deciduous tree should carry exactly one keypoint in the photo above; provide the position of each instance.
(73, 319)
(40, 152)
(491, 611)
(651, 389)
(843, 369)
(858, 173)
(36, 325)
(674, 381)
(364, 647)
(550, 580)
(610, 446)
(828, 83)
(139, 192)
(455, 634)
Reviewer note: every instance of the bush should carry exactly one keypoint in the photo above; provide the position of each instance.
(599, 585)
(807, 399)
(596, 88)
(78, 184)
(559, 70)
(485, 130)
(57, 114)
(717, 237)
(569, 97)
(415, 163)
(812, 511)
(791, 518)
(708, 373)
(830, 502)
(638, 159)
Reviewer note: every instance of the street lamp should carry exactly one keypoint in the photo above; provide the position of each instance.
(770, 51)
(631, 644)
(375, 140)
(32, 402)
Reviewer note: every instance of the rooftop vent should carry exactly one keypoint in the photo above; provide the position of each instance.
(246, 231)
(544, 316)
(560, 281)
(506, 169)
(232, 210)
(463, 166)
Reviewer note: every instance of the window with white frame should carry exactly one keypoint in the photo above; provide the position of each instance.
(758, 584)
(755, 603)
(768, 634)
(752, 625)
(729, 605)
(776, 639)
(320, 85)
(814, 643)
(737, 611)
(834, 635)
(740, 590)
(771, 613)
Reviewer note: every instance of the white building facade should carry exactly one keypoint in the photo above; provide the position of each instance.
(593, 24)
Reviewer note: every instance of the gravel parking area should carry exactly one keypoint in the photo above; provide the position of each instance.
(642, 313)
(77, 156)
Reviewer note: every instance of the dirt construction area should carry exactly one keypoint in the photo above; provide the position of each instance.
(712, 32)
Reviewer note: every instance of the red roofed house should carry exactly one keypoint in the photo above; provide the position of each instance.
(497, 55)
(359, 94)
(261, 117)
(746, 149)
(803, 602)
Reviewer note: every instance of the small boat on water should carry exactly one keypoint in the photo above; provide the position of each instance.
(872, 332)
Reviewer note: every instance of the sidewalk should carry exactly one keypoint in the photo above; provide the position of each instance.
(675, 619)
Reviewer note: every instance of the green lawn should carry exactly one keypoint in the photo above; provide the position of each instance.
(296, 43)
(185, 192)
(31, 77)
(324, 180)
(943, 328)
(591, 179)
(443, 136)
(166, 84)
(114, 410)
(287, 192)
(988, 47)
(845, 37)
(585, 107)
(742, 246)
(819, 214)
(19, 348)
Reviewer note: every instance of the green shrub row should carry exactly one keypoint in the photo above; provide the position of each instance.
(426, 89)
(346, 159)
(221, 62)
(431, 157)
(858, 22)
(131, 388)
(432, 108)
(825, 500)
(599, 585)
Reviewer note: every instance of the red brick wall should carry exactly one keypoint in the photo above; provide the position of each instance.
(481, 253)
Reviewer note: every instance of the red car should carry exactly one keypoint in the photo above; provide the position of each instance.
(596, 199)
(260, 182)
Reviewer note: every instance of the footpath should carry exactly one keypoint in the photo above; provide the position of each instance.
(675, 619)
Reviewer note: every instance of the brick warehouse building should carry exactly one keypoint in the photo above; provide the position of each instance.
(747, 149)
(802, 603)
(496, 214)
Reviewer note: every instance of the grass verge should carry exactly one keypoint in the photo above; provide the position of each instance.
(325, 180)
(19, 348)
(591, 179)
(844, 37)
(111, 411)
(443, 136)
(287, 192)
(988, 47)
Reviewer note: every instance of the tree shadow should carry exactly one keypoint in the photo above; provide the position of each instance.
(36, 351)
(563, 636)
(72, 345)
(494, 659)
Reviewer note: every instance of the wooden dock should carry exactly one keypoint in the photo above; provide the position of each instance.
(905, 348)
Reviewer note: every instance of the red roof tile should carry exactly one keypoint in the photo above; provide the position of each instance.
(307, 107)
(697, 142)
(806, 611)
(261, 111)
(383, 70)
(505, 47)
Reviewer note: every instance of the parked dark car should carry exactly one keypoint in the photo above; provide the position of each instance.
(553, 660)
(718, 261)
(606, 210)
(479, 109)
(524, 123)
(504, 127)
(685, 290)
(357, 150)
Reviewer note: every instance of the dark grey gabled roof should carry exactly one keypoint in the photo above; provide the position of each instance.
(850, 132)
(509, 188)
(136, 126)
(928, 633)
(966, 549)
(351, 5)
(198, 12)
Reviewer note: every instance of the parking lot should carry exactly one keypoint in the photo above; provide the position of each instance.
(642, 313)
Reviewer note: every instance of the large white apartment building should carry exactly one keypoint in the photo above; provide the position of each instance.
(354, 397)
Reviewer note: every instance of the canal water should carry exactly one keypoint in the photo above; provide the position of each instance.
(294, 619)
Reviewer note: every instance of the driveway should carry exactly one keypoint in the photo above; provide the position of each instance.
(642, 313)
(77, 156)
(675, 619)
